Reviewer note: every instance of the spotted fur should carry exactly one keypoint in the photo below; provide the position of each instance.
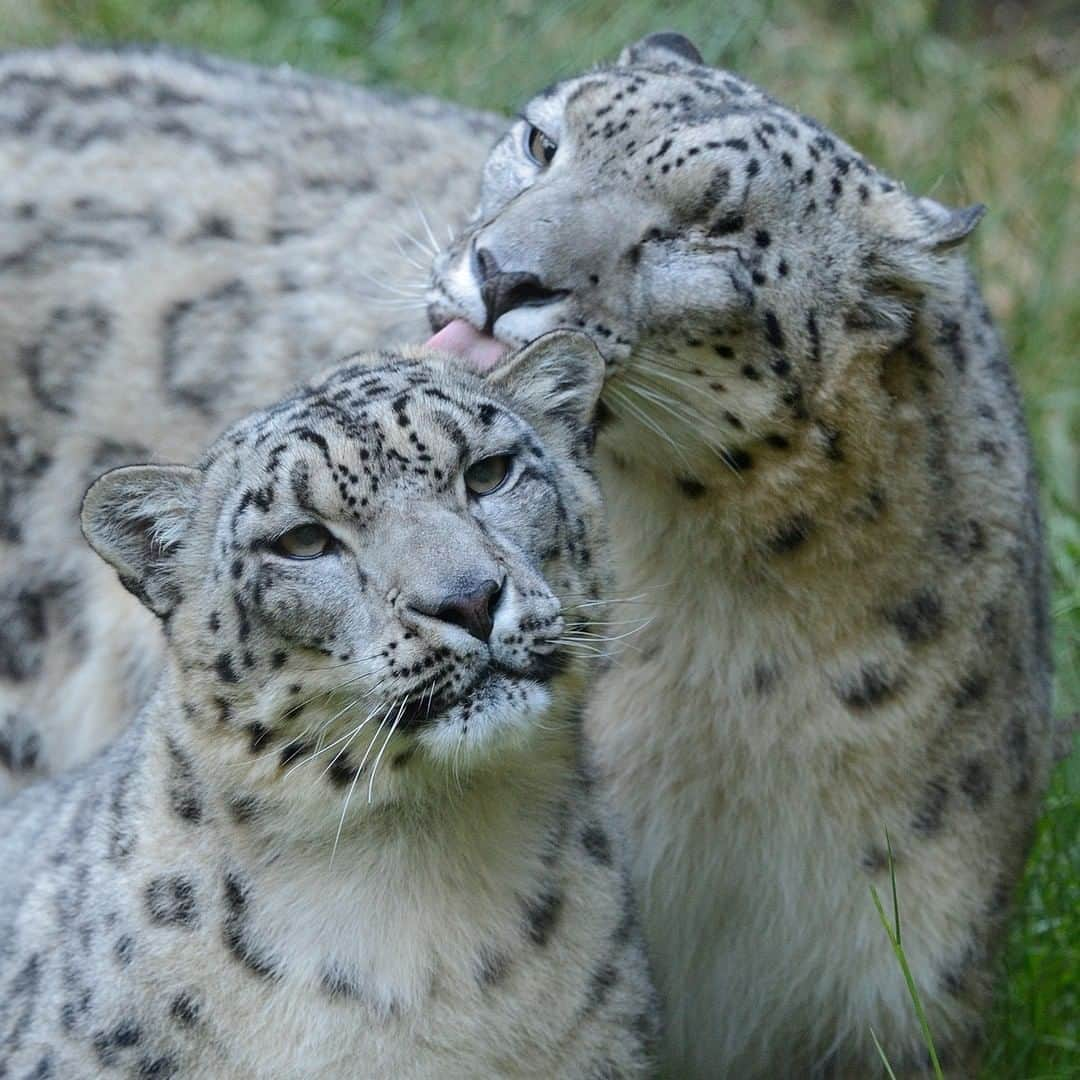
(182, 240)
(348, 836)
(842, 548)
(821, 490)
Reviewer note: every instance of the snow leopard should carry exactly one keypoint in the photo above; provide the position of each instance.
(356, 831)
(821, 493)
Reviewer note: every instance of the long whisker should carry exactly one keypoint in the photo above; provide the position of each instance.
(407, 257)
(621, 394)
(382, 749)
(347, 739)
(352, 786)
(580, 645)
(412, 239)
(611, 637)
(402, 288)
(427, 226)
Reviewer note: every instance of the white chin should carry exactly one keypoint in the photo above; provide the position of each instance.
(507, 722)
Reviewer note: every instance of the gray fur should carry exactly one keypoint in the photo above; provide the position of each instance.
(182, 239)
(438, 917)
(821, 491)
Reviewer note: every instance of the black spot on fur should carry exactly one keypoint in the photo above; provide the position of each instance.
(170, 901)
(815, 336)
(236, 900)
(918, 619)
(124, 949)
(184, 1009)
(866, 689)
(491, 967)
(930, 811)
(601, 985)
(773, 333)
(196, 374)
(336, 983)
(290, 752)
(791, 534)
(963, 538)
(541, 915)
(258, 736)
(224, 668)
(975, 782)
(184, 794)
(692, 489)
(972, 689)
(738, 459)
(728, 224)
(108, 1044)
(156, 1068)
(765, 677)
(874, 859)
(596, 843)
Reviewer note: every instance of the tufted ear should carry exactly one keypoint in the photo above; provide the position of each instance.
(134, 518)
(946, 227)
(665, 47)
(557, 377)
(900, 269)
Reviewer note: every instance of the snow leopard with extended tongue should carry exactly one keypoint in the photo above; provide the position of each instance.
(355, 833)
(821, 489)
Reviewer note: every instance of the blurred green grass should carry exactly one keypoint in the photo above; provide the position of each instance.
(963, 99)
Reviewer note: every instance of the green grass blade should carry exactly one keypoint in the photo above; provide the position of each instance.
(881, 1054)
(912, 989)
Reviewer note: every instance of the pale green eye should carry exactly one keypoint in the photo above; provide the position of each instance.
(488, 475)
(540, 147)
(304, 542)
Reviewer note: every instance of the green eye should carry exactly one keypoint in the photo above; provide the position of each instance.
(304, 542)
(539, 147)
(488, 475)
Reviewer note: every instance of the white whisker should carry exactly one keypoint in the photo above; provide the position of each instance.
(412, 239)
(406, 256)
(382, 749)
(427, 227)
(352, 786)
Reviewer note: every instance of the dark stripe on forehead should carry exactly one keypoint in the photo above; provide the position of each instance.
(594, 82)
(453, 431)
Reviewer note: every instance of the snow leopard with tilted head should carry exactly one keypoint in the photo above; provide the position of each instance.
(355, 832)
(821, 489)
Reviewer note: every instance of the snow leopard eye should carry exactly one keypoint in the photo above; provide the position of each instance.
(539, 146)
(304, 542)
(488, 475)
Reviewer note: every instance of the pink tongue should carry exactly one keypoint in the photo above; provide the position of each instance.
(459, 338)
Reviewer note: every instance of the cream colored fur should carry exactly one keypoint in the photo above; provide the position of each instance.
(823, 513)
(256, 880)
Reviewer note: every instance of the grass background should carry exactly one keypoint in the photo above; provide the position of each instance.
(962, 99)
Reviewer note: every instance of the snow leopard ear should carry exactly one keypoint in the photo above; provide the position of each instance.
(945, 227)
(558, 377)
(909, 257)
(135, 518)
(665, 47)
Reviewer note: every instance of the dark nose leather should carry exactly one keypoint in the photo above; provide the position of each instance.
(474, 612)
(503, 291)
